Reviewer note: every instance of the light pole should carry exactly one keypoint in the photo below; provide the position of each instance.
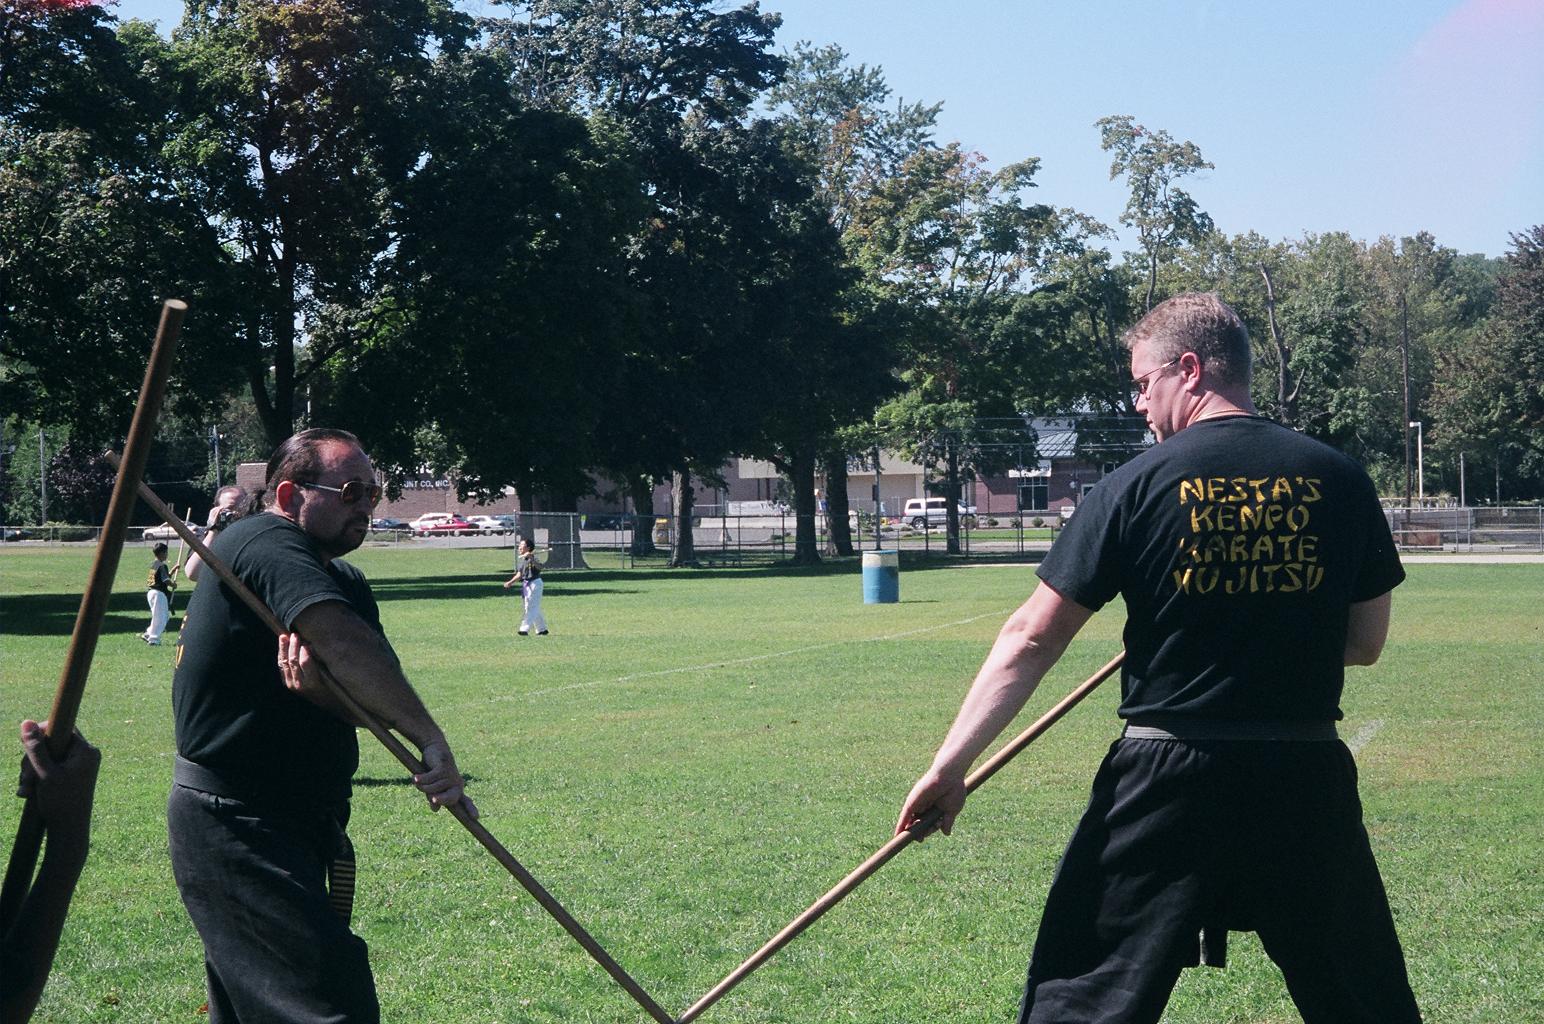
(1420, 464)
(879, 506)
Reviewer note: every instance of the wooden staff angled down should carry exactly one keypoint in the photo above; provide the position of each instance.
(93, 603)
(916, 832)
(414, 765)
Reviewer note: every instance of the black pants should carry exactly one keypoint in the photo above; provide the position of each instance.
(1257, 836)
(255, 887)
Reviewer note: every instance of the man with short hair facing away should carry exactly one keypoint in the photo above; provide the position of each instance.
(158, 594)
(265, 754)
(1254, 564)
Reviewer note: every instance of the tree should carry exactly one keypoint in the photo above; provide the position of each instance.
(1164, 215)
(835, 121)
(667, 86)
(497, 314)
(955, 244)
(298, 123)
(92, 235)
(1489, 392)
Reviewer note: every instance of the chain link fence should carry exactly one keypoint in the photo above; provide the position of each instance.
(568, 541)
(1468, 529)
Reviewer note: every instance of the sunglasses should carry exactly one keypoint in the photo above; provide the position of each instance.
(351, 492)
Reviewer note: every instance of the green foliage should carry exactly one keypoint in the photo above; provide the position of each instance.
(1165, 216)
(499, 311)
(296, 124)
(1488, 394)
(92, 234)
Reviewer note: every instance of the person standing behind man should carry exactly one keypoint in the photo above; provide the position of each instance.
(230, 504)
(158, 594)
(528, 573)
(1255, 564)
(265, 754)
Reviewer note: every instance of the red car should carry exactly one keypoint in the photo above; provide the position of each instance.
(442, 524)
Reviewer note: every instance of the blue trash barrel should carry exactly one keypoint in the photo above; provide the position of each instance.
(881, 577)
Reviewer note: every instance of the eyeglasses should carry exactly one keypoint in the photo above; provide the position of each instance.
(1140, 384)
(351, 492)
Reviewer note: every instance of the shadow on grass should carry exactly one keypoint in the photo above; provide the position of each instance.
(369, 782)
(54, 614)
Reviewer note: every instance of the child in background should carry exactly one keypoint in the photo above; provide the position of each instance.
(528, 572)
(160, 584)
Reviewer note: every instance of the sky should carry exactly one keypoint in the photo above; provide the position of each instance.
(1375, 117)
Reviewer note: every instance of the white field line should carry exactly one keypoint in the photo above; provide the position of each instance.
(710, 665)
(1364, 735)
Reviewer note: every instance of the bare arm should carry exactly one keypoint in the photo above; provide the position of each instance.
(62, 792)
(1029, 643)
(1367, 629)
(363, 663)
(195, 564)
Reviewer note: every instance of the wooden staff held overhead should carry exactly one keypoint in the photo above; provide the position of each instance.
(171, 599)
(917, 832)
(93, 603)
(401, 752)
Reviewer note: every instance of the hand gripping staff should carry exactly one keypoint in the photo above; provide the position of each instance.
(917, 832)
(391, 743)
(93, 603)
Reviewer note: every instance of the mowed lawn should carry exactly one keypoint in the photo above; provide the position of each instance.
(691, 758)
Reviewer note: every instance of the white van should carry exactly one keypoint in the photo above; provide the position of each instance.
(921, 512)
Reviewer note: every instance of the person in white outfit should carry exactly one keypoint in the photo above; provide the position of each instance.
(158, 594)
(528, 573)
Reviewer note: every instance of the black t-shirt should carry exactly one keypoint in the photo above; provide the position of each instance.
(232, 712)
(1238, 546)
(160, 578)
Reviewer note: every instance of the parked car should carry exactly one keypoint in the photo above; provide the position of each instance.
(390, 526)
(442, 523)
(920, 512)
(165, 532)
(488, 524)
(14, 534)
(511, 522)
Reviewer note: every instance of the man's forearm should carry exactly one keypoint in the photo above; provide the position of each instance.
(1006, 680)
(364, 664)
(376, 682)
(1029, 643)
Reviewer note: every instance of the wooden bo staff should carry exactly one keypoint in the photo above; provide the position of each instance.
(916, 832)
(414, 765)
(93, 603)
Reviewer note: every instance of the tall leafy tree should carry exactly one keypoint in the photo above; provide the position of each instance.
(93, 232)
(957, 244)
(1489, 392)
(837, 120)
(667, 84)
(495, 321)
(298, 122)
(1165, 216)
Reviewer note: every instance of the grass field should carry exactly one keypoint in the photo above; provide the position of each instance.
(692, 758)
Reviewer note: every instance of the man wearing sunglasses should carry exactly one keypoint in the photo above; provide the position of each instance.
(262, 781)
(1255, 564)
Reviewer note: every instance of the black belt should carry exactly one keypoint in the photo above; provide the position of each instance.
(340, 870)
(1218, 729)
